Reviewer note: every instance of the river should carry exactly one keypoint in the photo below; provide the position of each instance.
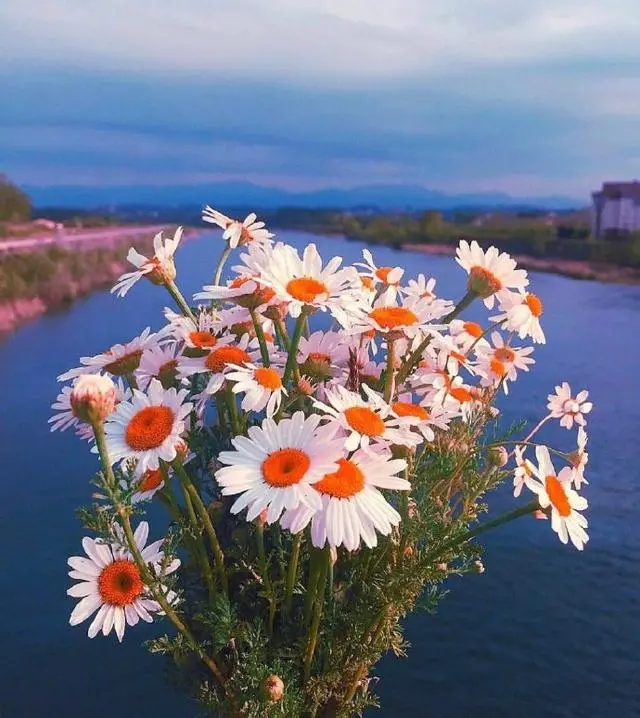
(545, 632)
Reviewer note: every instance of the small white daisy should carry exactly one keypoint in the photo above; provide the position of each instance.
(148, 427)
(353, 507)
(411, 318)
(147, 484)
(262, 387)
(385, 278)
(521, 312)
(467, 335)
(363, 421)
(490, 272)
(235, 231)
(500, 364)
(159, 362)
(424, 416)
(200, 336)
(524, 470)
(110, 583)
(119, 360)
(160, 269)
(245, 291)
(579, 459)
(322, 354)
(564, 407)
(274, 467)
(555, 493)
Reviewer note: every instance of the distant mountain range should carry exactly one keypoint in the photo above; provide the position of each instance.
(244, 194)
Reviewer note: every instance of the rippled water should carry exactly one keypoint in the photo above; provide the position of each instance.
(545, 632)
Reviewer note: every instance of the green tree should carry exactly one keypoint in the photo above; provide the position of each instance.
(15, 205)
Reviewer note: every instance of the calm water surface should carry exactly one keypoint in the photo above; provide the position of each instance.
(545, 632)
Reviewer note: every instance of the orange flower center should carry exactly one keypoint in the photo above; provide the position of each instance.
(504, 354)
(473, 329)
(486, 283)
(498, 368)
(268, 378)
(557, 495)
(459, 393)
(406, 408)
(344, 483)
(285, 467)
(364, 421)
(260, 295)
(306, 289)
(534, 304)
(319, 357)
(367, 282)
(382, 273)
(458, 357)
(151, 479)
(219, 358)
(393, 317)
(119, 583)
(149, 428)
(126, 364)
(202, 340)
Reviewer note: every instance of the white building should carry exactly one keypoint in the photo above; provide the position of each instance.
(616, 208)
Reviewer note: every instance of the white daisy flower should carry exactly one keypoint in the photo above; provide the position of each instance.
(245, 291)
(235, 231)
(274, 467)
(564, 407)
(200, 336)
(387, 279)
(491, 272)
(424, 416)
(555, 493)
(302, 282)
(147, 484)
(225, 355)
(323, 353)
(159, 362)
(579, 459)
(521, 313)
(363, 421)
(148, 427)
(239, 322)
(423, 288)
(500, 363)
(262, 387)
(411, 318)
(110, 583)
(119, 360)
(467, 335)
(353, 507)
(160, 269)
(524, 470)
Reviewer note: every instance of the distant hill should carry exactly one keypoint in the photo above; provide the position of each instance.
(245, 194)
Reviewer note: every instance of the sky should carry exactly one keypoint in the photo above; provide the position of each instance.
(530, 97)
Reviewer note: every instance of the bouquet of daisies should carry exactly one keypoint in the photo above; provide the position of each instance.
(322, 438)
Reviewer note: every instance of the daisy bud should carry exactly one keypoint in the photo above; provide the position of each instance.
(333, 553)
(93, 398)
(181, 450)
(498, 456)
(478, 566)
(305, 386)
(262, 518)
(442, 566)
(408, 551)
(162, 272)
(273, 688)
(412, 509)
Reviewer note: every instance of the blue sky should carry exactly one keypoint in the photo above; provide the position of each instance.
(527, 96)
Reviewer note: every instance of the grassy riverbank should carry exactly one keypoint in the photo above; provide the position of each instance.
(33, 282)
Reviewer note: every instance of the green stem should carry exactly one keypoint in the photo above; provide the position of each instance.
(388, 377)
(292, 572)
(317, 612)
(292, 358)
(221, 262)
(180, 301)
(148, 578)
(206, 520)
(264, 570)
(282, 332)
(233, 408)
(264, 351)
(312, 584)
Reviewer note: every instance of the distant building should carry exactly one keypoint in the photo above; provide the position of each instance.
(616, 209)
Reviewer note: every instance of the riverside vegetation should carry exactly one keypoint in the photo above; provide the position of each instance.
(323, 439)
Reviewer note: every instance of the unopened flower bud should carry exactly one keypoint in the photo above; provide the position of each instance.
(412, 509)
(478, 566)
(262, 518)
(273, 688)
(333, 553)
(498, 456)
(182, 450)
(482, 282)
(442, 566)
(408, 551)
(93, 398)
(305, 386)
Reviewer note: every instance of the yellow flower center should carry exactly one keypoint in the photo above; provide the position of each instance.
(393, 317)
(344, 483)
(306, 289)
(219, 358)
(149, 427)
(285, 467)
(268, 378)
(120, 583)
(364, 421)
(557, 495)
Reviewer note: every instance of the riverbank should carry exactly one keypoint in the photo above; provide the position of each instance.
(576, 269)
(46, 278)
